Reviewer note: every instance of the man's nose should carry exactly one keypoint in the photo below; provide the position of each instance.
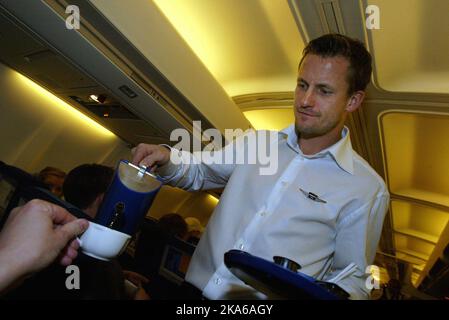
(307, 99)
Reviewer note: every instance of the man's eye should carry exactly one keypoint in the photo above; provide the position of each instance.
(324, 91)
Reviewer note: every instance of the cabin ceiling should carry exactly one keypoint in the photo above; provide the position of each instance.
(248, 46)
(236, 42)
(231, 57)
(413, 55)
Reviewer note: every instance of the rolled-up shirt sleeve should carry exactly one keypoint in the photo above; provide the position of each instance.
(357, 238)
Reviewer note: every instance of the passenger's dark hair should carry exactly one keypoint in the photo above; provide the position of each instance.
(333, 45)
(85, 183)
(174, 224)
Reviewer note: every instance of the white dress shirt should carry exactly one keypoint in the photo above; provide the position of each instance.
(271, 215)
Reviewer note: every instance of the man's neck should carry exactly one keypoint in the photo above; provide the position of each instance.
(91, 211)
(310, 146)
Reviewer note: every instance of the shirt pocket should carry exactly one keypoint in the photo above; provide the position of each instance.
(314, 206)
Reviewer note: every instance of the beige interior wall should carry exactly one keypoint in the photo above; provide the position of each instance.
(432, 153)
(399, 140)
(425, 219)
(199, 205)
(416, 154)
(39, 130)
(167, 201)
(187, 204)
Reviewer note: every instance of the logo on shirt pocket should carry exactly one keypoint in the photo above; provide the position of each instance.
(312, 196)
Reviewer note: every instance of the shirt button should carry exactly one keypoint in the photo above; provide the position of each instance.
(241, 246)
(217, 281)
(263, 214)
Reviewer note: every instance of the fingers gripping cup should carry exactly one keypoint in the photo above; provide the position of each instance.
(125, 204)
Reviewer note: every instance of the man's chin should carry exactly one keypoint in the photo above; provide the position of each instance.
(306, 133)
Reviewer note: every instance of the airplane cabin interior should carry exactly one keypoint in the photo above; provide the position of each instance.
(134, 71)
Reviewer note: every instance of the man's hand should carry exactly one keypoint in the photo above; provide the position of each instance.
(34, 236)
(136, 278)
(149, 155)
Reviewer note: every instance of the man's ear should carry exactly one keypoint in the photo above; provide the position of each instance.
(99, 199)
(355, 101)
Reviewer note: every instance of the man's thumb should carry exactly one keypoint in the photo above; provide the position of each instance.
(72, 229)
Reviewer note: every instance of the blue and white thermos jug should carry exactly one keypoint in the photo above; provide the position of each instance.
(128, 198)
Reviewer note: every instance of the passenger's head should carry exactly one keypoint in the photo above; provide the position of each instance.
(53, 178)
(86, 185)
(195, 228)
(174, 224)
(332, 76)
(336, 45)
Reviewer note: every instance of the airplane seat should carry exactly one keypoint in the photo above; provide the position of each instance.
(168, 283)
(18, 187)
(163, 258)
(17, 176)
(13, 182)
(149, 248)
(175, 260)
(46, 195)
(437, 269)
(445, 255)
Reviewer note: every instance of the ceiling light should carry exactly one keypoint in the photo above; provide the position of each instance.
(213, 198)
(98, 98)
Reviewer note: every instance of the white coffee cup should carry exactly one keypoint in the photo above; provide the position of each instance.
(103, 243)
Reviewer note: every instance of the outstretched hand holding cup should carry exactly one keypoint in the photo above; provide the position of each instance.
(34, 236)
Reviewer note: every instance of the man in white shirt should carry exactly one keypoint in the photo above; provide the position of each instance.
(323, 207)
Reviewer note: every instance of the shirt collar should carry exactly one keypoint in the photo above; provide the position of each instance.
(341, 151)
